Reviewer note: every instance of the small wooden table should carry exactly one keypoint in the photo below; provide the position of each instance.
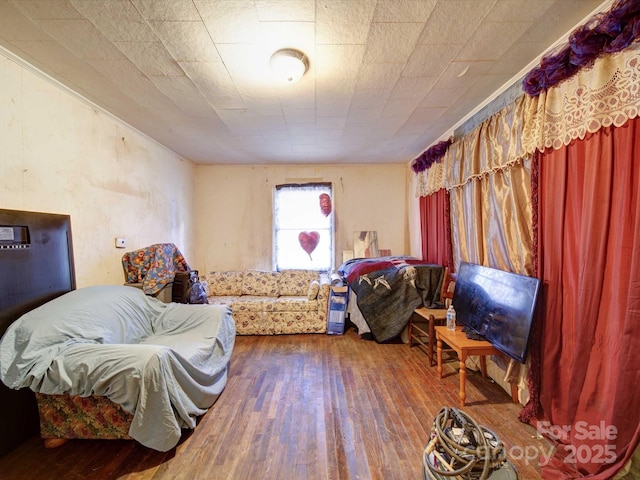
(464, 347)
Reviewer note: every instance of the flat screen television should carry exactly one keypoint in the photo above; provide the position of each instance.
(497, 305)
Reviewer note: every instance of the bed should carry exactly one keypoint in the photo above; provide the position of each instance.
(384, 292)
(105, 361)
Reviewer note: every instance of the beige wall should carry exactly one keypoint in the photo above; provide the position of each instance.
(59, 154)
(234, 205)
(413, 214)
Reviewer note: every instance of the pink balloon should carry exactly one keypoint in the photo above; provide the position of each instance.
(325, 204)
(309, 241)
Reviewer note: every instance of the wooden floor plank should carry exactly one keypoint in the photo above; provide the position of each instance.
(298, 407)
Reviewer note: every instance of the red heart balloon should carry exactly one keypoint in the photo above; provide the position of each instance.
(325, 204)
(309, 241)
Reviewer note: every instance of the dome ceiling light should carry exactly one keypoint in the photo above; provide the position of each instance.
(289, 65)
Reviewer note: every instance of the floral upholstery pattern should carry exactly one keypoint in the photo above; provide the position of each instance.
(222, 300)
(272, 303)
(254, 303)
(153, 266)
(225, 283)
(255, 282)
(293, 322)
(67, 416)
(296, 282)
(252, 323)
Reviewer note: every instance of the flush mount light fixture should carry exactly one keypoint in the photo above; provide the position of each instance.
(289, 65)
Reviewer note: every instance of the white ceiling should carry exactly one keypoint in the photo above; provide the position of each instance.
(387, 78)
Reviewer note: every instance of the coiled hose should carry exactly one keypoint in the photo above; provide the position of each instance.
(461, 448)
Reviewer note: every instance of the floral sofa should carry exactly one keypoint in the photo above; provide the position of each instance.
(272, 303)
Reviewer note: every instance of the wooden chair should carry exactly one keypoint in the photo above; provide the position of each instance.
(422, 322)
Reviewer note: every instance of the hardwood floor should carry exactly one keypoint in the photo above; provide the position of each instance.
(301, 407)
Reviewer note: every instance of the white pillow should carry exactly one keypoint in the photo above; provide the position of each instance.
(314, 288)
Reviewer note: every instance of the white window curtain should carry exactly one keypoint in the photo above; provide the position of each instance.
(303, 226)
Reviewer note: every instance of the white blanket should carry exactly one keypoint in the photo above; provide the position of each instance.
(163, 363)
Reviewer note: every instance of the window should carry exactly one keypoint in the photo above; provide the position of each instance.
(303, 226)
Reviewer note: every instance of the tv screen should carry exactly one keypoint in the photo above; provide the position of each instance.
(497, 305)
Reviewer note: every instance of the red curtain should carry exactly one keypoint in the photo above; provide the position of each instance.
(436, 228)
(589, 331)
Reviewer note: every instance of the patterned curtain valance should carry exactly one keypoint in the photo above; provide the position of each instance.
(431, 180)
(591, 82)
(432, 155)
(493, 145)
(607, 93)
(605, 33)
(604, 95)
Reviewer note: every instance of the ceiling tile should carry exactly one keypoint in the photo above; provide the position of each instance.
(441, 97)
(230, 21)
(178, 10)
(403, 10)
(413, 88)
(116, 20)
(517, 10)
(303, 96)
(386, 78)
(82, 38)
(462, 74)
(47, 9)
(335, 123)
(553, 25)
(298, 116)
(331, 107)
(369, 98)
(337, 61)
(391, 42)
(392, 122)
(491, 40)
(517, 57)
(248, 64)
(286, 10)
(214, 82)
(187, 41)
(360, 116)
(421, 117)
(42, 52)
(341, 23)
(453, 21)
(15, 26)
(184, 94)
(297, 35)
(429, 60)
(399, 107)
(130, 80)
(150, 57)
(378, 76)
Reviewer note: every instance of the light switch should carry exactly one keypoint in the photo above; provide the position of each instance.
(121, 243)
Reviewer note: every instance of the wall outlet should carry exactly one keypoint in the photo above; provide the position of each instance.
(121, 243)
